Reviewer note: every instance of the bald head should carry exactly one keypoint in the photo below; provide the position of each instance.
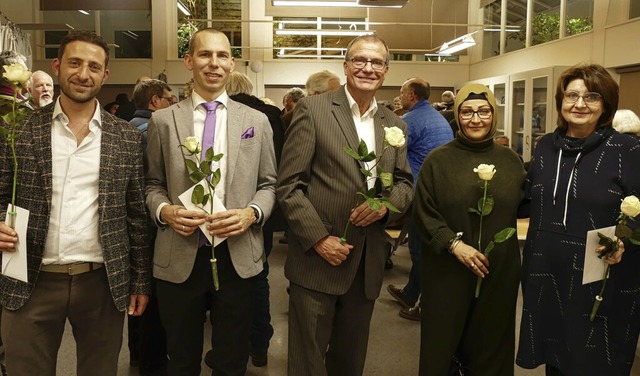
(413, 91)
(40, 87)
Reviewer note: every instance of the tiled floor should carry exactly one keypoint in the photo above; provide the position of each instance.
(393, 346)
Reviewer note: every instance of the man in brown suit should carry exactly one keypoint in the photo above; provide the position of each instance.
(81, 178)
(334, 284)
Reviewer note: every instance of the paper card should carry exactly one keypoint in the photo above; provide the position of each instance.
(218, 206)
(14, 264)
(593, 266)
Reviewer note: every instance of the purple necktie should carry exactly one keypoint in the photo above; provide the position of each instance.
(208, 136)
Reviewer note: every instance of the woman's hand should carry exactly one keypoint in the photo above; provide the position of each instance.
(472, 259)
(612, 257)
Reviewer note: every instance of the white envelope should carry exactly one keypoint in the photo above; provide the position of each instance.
(593, 265)
(218, 206)
(14, 264)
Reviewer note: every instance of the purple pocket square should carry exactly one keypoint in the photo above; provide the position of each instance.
(247, 134)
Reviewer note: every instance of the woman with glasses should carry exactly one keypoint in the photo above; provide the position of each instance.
(578, 177)
(459, 329)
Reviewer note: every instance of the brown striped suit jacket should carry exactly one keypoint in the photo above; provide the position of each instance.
(123, 220)
(317, 185)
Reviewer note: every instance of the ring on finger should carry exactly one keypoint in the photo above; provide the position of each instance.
(183, 228)
(472, 265)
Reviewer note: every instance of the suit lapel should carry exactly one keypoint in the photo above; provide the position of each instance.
(109, 152)
(183, 124)
(234, 134)
(342, 113)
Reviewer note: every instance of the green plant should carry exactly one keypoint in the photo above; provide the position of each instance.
(546, 27)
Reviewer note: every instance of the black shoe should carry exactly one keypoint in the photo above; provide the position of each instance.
(258, 360)
(208, 359)
(398, 294)
(388, 264)
(412, 313)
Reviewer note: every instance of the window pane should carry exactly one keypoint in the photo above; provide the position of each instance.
(634, 9)
(491, 36)
(127, 32)
(545, 26)
(516, 19)
(579, 17)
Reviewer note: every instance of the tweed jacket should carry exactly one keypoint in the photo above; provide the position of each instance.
(250, 179)
(122, 225)
(317, 186)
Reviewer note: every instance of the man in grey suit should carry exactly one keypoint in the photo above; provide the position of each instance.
(81, 178)
(247, 189)
(334, 284)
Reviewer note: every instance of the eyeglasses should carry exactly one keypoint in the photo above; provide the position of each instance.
(588, 98)
(483, 113)
(360, 62)
(167, 98)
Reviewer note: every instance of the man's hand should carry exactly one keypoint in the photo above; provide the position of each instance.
(8, 238)
(231, 222)
(332, 250)
(612, 258)
(181, 220)
(363, 216)
(137, 304)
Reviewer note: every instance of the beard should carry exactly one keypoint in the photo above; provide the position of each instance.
(44, 100)
(77, 96)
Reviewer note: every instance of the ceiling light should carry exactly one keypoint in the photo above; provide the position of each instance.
(183, 9)
(457, 44)
(341, 3)
(83, 12)
(328, 33)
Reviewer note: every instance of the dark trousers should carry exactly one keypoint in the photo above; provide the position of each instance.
(552, 371)
(412, 289)
(183, 308)
(147, 341)
(261, 329)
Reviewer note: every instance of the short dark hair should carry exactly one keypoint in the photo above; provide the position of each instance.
(420, 88)
(145, 90)
(596, 79)
(192, 40)
(84, 36)
(368, 38)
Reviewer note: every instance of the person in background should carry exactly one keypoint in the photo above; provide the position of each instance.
(181, 264)
(321, 82)
(446, 108)
(398, 109)
(502, 140)
(111, 108)
(126, 109)
(426, 130)
(147, 341)
(87, 254)
(334, 284)
(291, 97)
(578, 176)
(40, 88)
(174, 99)
(626, 121)
(458, 329)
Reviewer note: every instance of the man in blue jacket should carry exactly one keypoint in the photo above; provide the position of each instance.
(427, 129)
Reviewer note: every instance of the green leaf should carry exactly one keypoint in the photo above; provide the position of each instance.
(610, 244)
(362, 149)
(635, 241)
(197, 195)
(623, 231)
(489, 248)
(215, 177)
(365, 172)
(196, 176)
(488, 206)
(217, 157)
(374, 204)
(473, 210)
(504, 234)
(205, 167)
(208, 154)
(351, 153)
(205, 199)
(390, 206)
(369, 157)
(386, 178)
(191, 164)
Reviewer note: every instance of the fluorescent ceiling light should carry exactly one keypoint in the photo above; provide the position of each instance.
(83, 12)
(352, 33)
(512, 30)
(457, 44)
(343, 3)
(183, 9)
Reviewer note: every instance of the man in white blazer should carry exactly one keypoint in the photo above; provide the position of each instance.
(181, 266)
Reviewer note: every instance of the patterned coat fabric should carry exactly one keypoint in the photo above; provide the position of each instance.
(555, 325)
(123, 228)
(479, 332)
(317, 185)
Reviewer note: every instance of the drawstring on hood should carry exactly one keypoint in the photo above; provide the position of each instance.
(579, 147)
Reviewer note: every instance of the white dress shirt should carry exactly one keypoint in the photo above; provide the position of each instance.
(73, 225)
(366, 131)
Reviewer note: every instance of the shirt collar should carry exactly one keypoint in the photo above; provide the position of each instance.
(95, 120)
(373, 106)
(197, 100)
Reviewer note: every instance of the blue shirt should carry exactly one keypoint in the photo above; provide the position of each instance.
(427, 129)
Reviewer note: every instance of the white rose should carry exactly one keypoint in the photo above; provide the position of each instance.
(394, 136)
(485, 171)
(16, 73)
(192, 144)
(630, 206)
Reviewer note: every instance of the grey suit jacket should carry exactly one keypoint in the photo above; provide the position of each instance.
(123, 228)
(250, 179)
(317, 186)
